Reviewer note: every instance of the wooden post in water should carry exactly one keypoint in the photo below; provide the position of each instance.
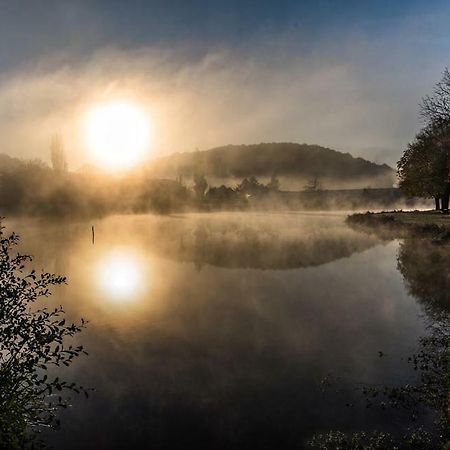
(93, 235)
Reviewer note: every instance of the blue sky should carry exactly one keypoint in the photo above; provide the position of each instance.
(29, 29)
(276, 70)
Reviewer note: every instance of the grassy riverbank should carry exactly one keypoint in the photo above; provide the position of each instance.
(426, 223)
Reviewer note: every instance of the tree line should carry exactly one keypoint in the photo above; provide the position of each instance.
(34, 188)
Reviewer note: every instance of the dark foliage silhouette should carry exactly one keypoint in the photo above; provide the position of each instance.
(34, 342)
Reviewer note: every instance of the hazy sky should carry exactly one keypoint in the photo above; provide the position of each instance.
(345, 74)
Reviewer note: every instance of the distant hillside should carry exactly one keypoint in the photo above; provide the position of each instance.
(283, 159)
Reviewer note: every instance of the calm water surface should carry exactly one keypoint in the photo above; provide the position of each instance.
(215, 331)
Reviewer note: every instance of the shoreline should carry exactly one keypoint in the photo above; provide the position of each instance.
(430, 224)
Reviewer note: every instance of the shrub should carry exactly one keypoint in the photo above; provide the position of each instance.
(34, 342)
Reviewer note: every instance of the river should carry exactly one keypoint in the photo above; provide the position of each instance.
(214, 331)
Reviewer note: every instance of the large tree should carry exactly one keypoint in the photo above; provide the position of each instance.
(423, 168)
(435, 110)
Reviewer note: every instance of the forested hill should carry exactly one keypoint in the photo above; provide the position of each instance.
(282, 159)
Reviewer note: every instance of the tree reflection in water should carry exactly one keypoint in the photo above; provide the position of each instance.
(425, 270)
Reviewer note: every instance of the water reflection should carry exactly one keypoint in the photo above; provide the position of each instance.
(259, 241)
(229, 356)
(423, 400)
(119, 274)
(426, 271)
(251, 247)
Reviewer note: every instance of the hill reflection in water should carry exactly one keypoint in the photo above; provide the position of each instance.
(245, 245)
(257, 241)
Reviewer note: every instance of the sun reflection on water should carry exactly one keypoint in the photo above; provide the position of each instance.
(120, 274)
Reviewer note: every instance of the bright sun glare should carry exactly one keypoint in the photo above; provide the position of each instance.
(117, 134)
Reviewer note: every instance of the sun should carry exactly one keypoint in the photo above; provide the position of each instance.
(117, 134)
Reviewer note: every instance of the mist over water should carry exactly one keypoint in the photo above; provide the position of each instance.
(226, 223)
(216, 330)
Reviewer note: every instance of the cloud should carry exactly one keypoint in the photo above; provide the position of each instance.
(348, 92)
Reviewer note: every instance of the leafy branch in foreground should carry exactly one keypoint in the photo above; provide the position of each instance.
(33, 343)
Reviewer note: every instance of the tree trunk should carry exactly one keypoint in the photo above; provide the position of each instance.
(437, 201)
(445, 198)
(445, 202)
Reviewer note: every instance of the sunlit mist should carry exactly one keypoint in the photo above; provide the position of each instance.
(117, 134)
(119, 274)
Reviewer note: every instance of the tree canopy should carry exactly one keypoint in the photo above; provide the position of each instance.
(424, 168)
